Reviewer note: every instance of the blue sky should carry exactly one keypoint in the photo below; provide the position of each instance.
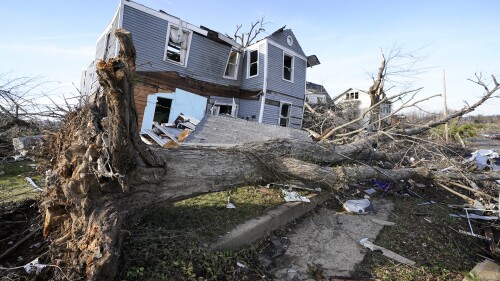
(56, 38)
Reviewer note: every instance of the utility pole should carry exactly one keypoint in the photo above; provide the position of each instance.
(445, 112)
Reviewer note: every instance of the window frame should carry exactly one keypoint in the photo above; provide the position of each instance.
(249, 66)
(215, 109)
(289, 113)
(167, 39)
(236, 66)
(291, 67)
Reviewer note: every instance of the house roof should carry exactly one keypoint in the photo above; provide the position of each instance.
(348, 90)
(358, 90)
(313, 88)
(214, 129)
(211, 34)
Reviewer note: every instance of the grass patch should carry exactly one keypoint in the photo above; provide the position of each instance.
(13, 185)
(171, 242)
(428, 236)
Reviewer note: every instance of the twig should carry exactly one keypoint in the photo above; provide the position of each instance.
(19, 242)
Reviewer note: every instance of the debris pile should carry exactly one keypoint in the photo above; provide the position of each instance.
(169, 135)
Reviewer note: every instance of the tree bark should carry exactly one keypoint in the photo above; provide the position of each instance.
(104, 177)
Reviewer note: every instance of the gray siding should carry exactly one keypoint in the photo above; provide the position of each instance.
(275, 74)
(206, 59)
(249, 108)
(257, 82)
(271, 112)
(86, 80)
(280, 38)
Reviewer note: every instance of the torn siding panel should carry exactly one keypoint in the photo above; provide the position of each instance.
(206, 60)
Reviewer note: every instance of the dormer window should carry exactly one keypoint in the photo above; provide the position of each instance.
(232, 65)
(253, 64)
(177, 45)
(352, 96)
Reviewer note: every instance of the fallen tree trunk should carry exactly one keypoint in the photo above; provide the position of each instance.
(104, 177)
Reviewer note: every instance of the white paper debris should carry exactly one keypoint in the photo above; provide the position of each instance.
(370, 191)
(229, 204)
(361, 207)
(292, 196)
(37, 188)
(34, 266)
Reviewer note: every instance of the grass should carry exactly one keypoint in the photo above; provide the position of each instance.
(171, 242)
(428, 236)
(13, 185)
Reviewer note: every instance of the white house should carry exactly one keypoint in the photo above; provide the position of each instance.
(358, 102)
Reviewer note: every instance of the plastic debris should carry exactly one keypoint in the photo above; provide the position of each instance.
(486, 158)
(474, 216)
(292, 196)
(229, 204)
(239, 264)
(385, 186)
(361, 206)
(34, 266)
(37, 188)
(385, 252)
(370, 191)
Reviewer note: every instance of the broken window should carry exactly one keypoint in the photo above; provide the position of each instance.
(253, 63)
(162, 110)
(177, 45)
(285, 109)
(224, 109)
(232, 64)
(287, 67)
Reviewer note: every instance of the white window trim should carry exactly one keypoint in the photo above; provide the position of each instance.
(288, 50)
(289, 113)
(293, 68)
(182, 29)
(216, 108)
(248, 63)
(237, 65)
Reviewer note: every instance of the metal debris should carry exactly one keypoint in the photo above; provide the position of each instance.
(385, 252)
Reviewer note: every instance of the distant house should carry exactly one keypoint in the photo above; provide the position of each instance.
(182, 68)
(356, 102)
(316, 94)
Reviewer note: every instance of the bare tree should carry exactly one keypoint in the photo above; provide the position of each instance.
(247, 38)
(104, 177)
(23, 98)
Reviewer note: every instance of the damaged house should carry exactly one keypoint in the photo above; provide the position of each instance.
(183, 68)
(356, 102)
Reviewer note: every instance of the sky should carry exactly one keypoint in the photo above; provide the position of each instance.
(56, 39)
